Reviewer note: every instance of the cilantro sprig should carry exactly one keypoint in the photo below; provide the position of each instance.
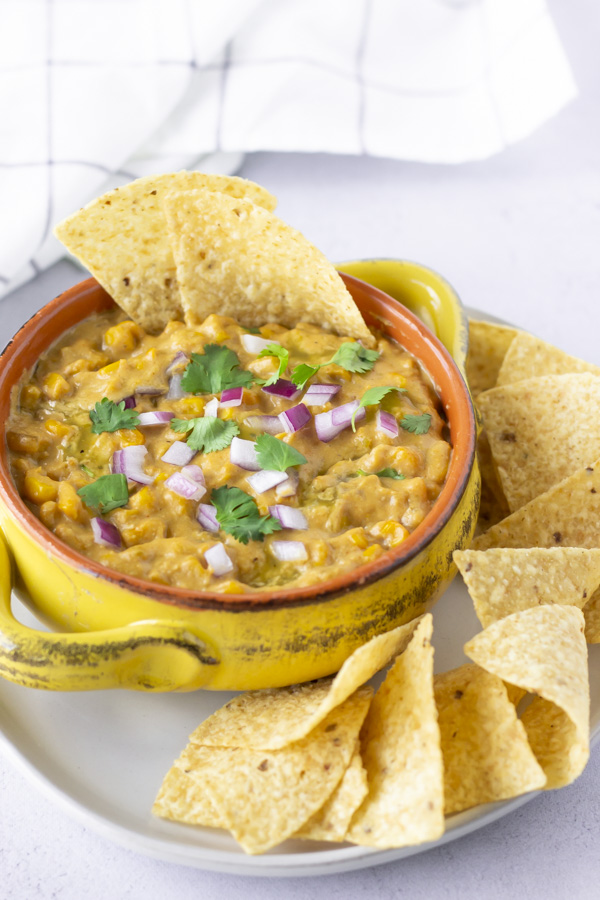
(106, 493)
(280, 353)
(206, 433)
(109, 416)
(350, 355)
(239, 516)
(416, 424)
(217, 369)
(275, 454)
(383, 473)
(372, 397)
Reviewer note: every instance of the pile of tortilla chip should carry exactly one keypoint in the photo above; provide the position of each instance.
(185, 245)
(332, 761)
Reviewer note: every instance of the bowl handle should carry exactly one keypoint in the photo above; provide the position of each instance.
(145, 656)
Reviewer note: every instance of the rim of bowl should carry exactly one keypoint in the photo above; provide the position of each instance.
(460, 417)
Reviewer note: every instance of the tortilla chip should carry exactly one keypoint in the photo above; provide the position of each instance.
(528, 357)
(121, 237)
(504, 581)
(331, 822)
(543, 650)
(493, 506)
(486, 753)
(180, 800)
(273, 718)
(265, 797)
(540, 430)
(242, 261)
(400, 745)
(568, 515)
(591, 612)
(488, 344)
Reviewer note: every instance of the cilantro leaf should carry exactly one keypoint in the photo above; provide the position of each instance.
(353, 357)
(106, 493)
(303, 373)
(238, 515)
(275, 454)
(416, 424)
(280, 353)
(370, 397)
(252, 330)
(207, 433)
(390, 473)
(214, 371)
(109, 416)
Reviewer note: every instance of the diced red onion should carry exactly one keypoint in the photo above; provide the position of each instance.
(289, 551)
(207, 516)
(178, 360)
(231, 397)
(178, 454)
(289, 516)
(387, 423)
(265, 480)
(175, 392)
(195, 473)
(320, 394)
(129, 402)
(288, 487)
(157, 417)
(218, 560)
(148, 390)
(253, 343)
(342, 415)
(211, 410)
(295, 418)
(243, 454)
(185, 487)
(129, 462)
(268, 424)
(282, 388)
(105, 533)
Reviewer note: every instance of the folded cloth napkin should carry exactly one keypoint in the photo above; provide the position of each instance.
(94, 93)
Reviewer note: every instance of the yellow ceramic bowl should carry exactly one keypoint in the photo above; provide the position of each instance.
(118, 631)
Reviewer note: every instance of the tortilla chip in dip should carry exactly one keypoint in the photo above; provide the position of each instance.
(543, 650)
(540, 430)
(121, 238)
(567, 515)
(241, 260)
(486, 753)
(264, 797)
(502, 581)
(488, 344)
(273, 718)
(400, 747)
(529, 356)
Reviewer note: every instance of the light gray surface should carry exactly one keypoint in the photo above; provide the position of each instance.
(517, 236)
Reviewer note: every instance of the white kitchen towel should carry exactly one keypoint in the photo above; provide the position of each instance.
(94, 93)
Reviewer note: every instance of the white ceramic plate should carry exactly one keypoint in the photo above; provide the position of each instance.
(102, 755)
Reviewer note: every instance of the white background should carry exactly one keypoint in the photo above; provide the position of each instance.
(518, 236)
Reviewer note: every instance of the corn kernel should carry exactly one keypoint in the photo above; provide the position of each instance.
(53, 426)
(142, 531)
(398, 379)
(124, 337)
(21, 442)
(194, 406)
(49, 513)
(149, 357)
(30, 394)
(68, 501)
(392, 532)
(272, 331)
(162, 476)
(110, 369)
(407, 460)
(55, 386)
(250, 398)
(358, 537)
(129, 437)
(232, 587)
(372, 552)
(143, 500)
(39, 488)
(319, 553)
(227, 413)
(21, 466)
